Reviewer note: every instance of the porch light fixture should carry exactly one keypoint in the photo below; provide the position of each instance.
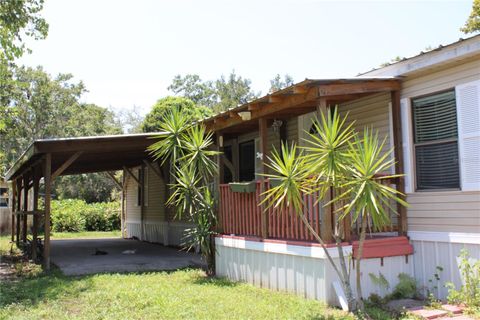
(276, 125)
(245, 115)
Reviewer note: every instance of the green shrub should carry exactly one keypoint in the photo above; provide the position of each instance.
(102, 216)
(66, 215)
(73, 215)
(406, 287)
(469, 292)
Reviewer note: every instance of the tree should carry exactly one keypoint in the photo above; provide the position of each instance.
(232, 91)
(42, 107)
(473, 22)
(218, 95)
(154, 119)
(20, 19)
(192, 87)
(278, 84)
(187, 148)
(130, 120)
(336, 160)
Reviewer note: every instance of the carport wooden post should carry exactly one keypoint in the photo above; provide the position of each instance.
(14, 199)
(19, 201)
(48, 196)
(122, 217)
(25, 208)
(35, 213)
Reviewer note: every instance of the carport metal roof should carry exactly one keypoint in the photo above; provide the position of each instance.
(87, 154)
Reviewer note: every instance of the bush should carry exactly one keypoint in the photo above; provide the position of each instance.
(406, 287)
(469, 292)
(73, 215)
(66, 215)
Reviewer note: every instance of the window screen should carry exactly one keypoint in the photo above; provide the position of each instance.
(436, 141)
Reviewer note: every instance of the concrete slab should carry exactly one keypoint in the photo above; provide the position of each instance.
(76, 256)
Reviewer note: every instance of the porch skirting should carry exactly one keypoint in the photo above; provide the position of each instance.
(296, 268)
(169, 233)
(441, 249)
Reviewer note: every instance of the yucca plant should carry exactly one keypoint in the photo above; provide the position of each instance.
(187, 148)
(337, 161)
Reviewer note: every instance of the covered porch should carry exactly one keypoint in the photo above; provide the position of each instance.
(247, 134)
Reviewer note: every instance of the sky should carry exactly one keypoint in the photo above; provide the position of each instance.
(127, 52)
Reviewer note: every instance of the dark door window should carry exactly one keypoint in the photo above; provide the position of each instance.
(247, 160)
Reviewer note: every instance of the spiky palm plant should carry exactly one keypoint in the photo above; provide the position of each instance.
(336, 159)
(187, 147)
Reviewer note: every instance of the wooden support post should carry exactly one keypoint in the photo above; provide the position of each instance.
(219, 179)
(14, 199)
(36, 180)
(48, 195)
(19, 202)
(142, 200)
(262, 126)
(25, 208)
(122, 216)
(398, 153)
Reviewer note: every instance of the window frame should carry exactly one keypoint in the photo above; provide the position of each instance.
(435, 142)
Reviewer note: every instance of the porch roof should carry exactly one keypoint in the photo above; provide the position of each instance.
(89, 154)
(298, 99)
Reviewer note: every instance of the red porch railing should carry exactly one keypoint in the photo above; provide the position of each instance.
(241, 214)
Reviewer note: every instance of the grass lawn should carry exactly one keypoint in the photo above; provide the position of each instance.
(183, 294)
(86, 234)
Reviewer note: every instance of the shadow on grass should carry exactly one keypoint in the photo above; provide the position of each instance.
(46, 286)
(214, 281)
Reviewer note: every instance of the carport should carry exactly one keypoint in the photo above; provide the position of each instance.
(77, 256)
(47, 159)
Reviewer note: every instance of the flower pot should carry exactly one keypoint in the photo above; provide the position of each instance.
(245, 187)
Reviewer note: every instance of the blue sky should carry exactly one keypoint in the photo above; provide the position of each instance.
(127, 52)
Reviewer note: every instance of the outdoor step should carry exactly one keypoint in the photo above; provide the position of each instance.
(452, 308)
(428, 313)
(458, 317)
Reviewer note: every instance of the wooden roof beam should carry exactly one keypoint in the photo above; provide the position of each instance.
(274, 99)
(357, 88)
(66, 164)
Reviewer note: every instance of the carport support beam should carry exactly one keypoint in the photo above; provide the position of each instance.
(48, 196)
(19, 201)
(35, 217)
(14, 199)
(25, 208)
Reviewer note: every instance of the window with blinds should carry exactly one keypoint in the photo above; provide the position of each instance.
(436, 141)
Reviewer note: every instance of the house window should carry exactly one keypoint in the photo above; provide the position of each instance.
(142, 175)
(247, 160)
(139, 188)
(436, 141)
(3, 197)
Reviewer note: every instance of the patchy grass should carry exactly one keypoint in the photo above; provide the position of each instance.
(183, 294)
(86, 234)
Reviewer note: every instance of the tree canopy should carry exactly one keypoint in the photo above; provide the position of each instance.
(278, 83)
(473, 22)
(155, 117)
(41, 106)
(218, 95)
(20, 19)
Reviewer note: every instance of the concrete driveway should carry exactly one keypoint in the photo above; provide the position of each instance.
(76, 256)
